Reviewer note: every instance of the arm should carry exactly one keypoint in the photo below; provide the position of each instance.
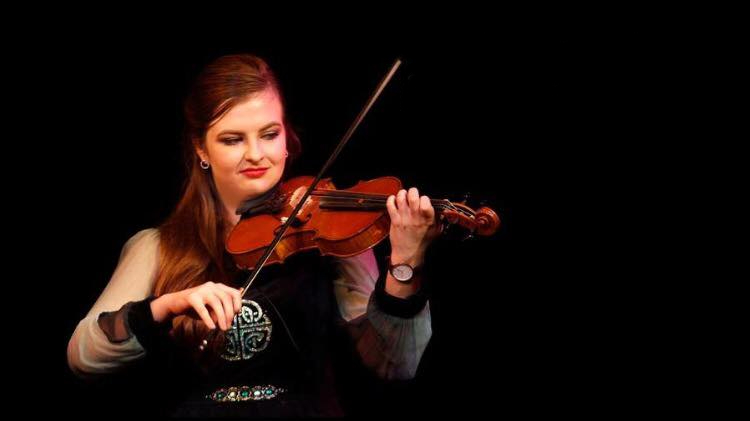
(389, 333)
(394, 334)
(91, 349)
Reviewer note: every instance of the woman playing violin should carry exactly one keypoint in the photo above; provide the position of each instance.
(176, 283)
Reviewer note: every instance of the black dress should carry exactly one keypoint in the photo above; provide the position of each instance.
(277, 359)
(286, 346)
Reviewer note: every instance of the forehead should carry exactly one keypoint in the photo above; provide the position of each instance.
(252, 114)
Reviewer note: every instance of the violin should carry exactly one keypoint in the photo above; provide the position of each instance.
(338, 223)
(298, 215)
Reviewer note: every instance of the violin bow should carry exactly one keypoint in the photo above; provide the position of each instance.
(280, 234)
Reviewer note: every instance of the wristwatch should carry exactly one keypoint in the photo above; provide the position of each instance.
(402, 272)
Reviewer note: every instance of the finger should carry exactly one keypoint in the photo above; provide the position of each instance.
(426, 209)
(226, 302)
(390, 204)
(413, 200)
(218, 310)
(236, 297)
(202, 311)
(401, 201)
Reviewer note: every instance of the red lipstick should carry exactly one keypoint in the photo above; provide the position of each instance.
(254, 172)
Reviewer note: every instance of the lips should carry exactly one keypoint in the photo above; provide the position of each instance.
(254, 172)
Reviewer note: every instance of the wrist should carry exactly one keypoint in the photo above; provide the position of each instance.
(399, 289)
(413, 260)
(398, 299)
(143, 323)
(160, 308)
(403, 278)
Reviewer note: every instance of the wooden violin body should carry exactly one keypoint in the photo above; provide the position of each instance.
(339, 223)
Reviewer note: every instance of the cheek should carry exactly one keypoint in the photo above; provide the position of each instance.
(226, 160)
(276, 151)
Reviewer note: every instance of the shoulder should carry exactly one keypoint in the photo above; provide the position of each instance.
(146, 239)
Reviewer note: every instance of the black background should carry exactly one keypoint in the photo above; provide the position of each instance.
(532, 119)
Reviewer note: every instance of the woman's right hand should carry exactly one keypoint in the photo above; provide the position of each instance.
(211, 302)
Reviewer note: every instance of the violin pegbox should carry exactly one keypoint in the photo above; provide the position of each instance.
(483, 222)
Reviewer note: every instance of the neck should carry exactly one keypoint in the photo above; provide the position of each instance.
(231, 216)
(230, 206)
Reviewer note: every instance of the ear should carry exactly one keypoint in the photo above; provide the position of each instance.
(200, 151)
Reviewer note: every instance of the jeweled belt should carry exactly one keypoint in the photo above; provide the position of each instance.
(246, 393)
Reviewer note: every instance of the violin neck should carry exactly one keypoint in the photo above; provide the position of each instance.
(347, 200)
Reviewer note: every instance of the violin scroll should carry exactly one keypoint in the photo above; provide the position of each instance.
(483, 222)
(487, 221)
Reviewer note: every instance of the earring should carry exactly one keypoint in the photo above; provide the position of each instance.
(204, 164)
(286, 153)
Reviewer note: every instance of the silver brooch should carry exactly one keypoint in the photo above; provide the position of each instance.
(250, 333)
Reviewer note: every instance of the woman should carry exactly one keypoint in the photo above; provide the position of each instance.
(174, 284)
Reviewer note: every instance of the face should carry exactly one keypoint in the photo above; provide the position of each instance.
(246, 149)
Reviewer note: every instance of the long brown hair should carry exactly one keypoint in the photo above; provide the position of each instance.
(192, 237)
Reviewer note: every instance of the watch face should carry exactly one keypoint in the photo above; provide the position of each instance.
(402, 272)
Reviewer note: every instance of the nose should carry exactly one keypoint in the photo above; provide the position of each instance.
(253, 153)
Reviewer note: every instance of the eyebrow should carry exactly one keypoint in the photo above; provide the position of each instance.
(236, 132)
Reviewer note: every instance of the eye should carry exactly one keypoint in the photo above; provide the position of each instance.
(270, 135)
(230, 140)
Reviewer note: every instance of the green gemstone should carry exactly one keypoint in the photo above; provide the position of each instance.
(269, 392)
(220, 395)
(245, 393)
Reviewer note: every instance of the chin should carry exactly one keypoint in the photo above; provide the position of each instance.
(257, 187)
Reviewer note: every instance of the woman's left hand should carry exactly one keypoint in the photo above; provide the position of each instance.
(413, 226)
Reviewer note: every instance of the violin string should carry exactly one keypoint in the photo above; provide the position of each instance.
(354, 202)
(434, 202)
(373, 196)
(344, 193)
(368, 205)
(363, 201)
(371, 203)
(357, 195)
